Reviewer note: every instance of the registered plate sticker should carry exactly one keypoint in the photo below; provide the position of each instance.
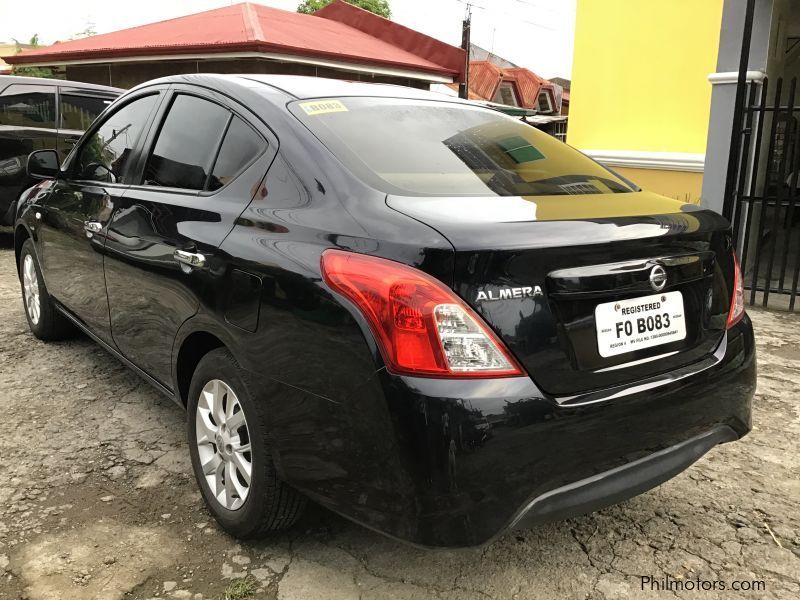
(629, 325)
(322, 107)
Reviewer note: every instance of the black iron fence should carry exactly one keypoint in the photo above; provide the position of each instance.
(765, 211)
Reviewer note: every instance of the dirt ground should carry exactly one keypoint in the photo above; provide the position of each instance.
(97, 500)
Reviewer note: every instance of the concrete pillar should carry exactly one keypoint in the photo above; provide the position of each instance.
(723, 94)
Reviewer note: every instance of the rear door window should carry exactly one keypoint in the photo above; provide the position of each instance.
(78, 111)
(28, 106)
(187, 145)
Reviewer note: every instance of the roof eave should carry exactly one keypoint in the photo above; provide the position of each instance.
(238, 50)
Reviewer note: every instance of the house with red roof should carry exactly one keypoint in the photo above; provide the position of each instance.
(340, 41)
(496, 81)
(514, 86)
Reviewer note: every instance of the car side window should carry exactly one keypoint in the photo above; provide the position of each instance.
(104, 156)
(186, 146)
(78, 111)
(28, 106)
(239, 149)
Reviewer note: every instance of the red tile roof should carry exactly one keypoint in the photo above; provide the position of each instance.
(485, 77)
(340, 32)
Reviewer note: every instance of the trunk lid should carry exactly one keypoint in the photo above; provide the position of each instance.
(537, 268)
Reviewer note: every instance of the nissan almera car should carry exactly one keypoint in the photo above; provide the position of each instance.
(422, 314)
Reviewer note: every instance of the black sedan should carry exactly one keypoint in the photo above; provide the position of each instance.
(422, 314)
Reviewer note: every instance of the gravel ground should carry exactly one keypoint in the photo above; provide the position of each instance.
(97, 500)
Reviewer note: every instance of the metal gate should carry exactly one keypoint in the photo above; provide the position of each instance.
(765, 211)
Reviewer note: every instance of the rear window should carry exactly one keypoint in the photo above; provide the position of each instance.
(28, 106)
(424, 148)
(78, 112)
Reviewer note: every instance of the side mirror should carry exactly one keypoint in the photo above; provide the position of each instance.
(43, 164)
(98, 172)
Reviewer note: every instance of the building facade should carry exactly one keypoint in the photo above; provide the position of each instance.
(640, 97)
(658, 94)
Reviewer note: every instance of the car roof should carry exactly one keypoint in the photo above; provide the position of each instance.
(7, 80)
(303, 86)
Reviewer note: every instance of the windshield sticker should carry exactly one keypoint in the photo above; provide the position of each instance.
(320, 107)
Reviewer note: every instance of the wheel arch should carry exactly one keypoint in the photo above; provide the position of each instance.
(21, 234)
(190, 352)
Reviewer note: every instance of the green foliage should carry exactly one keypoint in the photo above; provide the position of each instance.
(31, 71)
(241, 589)
(34, 41)
(36, 72)
(379, 7)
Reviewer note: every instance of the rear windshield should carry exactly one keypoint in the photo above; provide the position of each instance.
(424, 148)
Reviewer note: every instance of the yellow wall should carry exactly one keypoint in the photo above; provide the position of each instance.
(683, 186)
(640, 74)
(640, 82)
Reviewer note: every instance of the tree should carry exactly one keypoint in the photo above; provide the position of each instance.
(31, 71)
(379, 7)
(87, 32)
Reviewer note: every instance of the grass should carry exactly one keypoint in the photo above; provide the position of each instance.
(241, 589)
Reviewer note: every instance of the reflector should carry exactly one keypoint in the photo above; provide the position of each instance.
(736, 311)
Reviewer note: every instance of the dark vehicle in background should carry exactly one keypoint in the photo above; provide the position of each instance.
(425, 315)
(38, 113)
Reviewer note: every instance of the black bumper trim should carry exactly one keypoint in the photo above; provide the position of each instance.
(620, 483)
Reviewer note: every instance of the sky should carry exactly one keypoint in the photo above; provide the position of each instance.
(537, 34)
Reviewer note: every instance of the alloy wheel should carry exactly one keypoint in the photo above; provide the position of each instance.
(223, 444)
(30, 285)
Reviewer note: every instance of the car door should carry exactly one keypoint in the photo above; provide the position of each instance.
(204, 164)
(76, 212)
(77, 110)
(27, 123)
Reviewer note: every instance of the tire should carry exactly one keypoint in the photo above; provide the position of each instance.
(45, 322)
(244, 510)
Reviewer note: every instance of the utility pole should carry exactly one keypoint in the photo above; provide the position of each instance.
(463, 88)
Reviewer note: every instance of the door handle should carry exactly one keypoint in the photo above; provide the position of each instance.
(93, 226)
(191, 259)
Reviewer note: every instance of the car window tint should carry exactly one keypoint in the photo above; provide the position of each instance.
(104, 156)
(436, 148)
(28, 106)
(239, 148)
(78, 112)
(187, 144)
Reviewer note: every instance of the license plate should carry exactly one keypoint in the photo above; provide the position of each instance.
(629, 325)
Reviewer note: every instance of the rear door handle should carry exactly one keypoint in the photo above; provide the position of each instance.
(191, 259)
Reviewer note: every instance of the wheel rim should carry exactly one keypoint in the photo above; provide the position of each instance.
(223, 444)
(30, 285)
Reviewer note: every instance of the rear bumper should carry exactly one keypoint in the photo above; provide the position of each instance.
(621, 483)
(457, 463)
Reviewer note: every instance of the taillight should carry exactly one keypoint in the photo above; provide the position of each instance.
(421, 326)
(736, 311)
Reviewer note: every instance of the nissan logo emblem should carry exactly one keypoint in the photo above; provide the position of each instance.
(658, 278)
